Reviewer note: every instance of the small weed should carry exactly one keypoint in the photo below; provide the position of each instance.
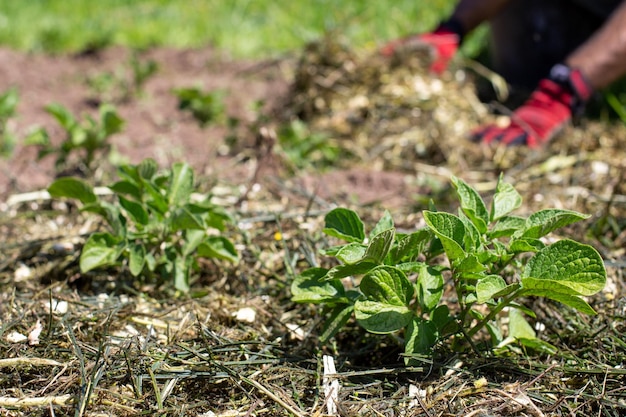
(89, 137)
(8, 104)
(487, 261)
(125, 83)
(156, 229)
(206, 107)
(304, 148)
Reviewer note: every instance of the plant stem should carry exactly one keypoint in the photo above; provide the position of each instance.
(505, 302)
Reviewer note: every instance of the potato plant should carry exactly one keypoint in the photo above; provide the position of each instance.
(492, 260)
(85, 138)
(157, 231)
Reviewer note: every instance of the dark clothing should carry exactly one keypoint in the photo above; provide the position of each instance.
(530, 36)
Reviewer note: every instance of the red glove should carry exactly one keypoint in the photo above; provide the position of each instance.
(443, 44)
(545, 113)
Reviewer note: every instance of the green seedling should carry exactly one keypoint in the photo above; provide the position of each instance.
(491, 260)
(206, 107)
(304, 148)
(89, 138)
(121, 85)
(8, 104)
(157, 229)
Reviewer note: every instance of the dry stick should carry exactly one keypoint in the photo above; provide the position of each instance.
(29, 361)
(64, 399)
(271, 395)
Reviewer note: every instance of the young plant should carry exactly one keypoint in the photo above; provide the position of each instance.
(206, 107)
(121, 85)
(304, 148)
(8, 104)
(89, 137)
(156, 229)
(492, 259)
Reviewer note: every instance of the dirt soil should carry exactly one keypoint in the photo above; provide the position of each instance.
(402, 134)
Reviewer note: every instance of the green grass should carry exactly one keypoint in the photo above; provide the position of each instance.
(246, 28)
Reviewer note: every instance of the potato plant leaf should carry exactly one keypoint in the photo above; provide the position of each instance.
(100, 249)
(450, 230)
(506, 226)
(388, 285)
(345, 270)
(351, 253)
(568, 264)
(310, 287)
(136, 259)
(543, 222)
(70, 187)
(344, 224)
(379, 246)
(505, 200)
(380, 317)
(410, 246)
(421, 336)
(136, 210)
(385, 223)
(472, 204)
(338, 318)
(181, 184)
(429, 287)
(218, 247)
(488, 286)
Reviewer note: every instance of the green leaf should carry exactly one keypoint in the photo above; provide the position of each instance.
(379, 246)
(218, 247)
(526, 245)
(506, 226)
(472, 204)
(421, 336)
(181, 184)
(410, 246)
(568, 263)
(505, 200)
(338, 318)
(193, 239)
(62, 115)
(310, 287)
(136, 259)
(450, 230)
(380, 317)
(444, 321)
(543, 222)
(100, 249)
(388, 285)
(183, 219)
(111, 122)
(469, 265)
(147, 168)
(127, 187)
(351, 253)
(181, 274)
(519, 327)
(573, 301)
(487, 287)
(344, 224)
(385, 223)
(70, 187)
(111, 214)
(136, 211)
(429, 287)
(342, 271)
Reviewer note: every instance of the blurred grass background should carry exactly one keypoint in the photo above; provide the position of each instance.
(245, 28)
